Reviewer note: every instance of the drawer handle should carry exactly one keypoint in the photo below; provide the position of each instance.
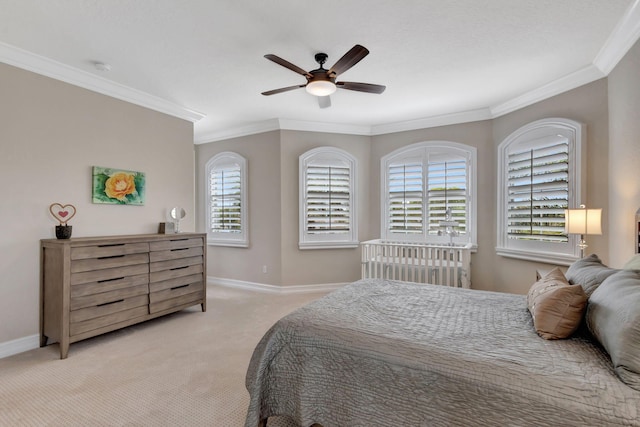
(179, 249)
(178, 287)
(107, 303)
(110, 244)
(179, 268)
(178, 240)
(110, 280)
(111, 256)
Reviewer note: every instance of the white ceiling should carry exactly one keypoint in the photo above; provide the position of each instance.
(442, 61)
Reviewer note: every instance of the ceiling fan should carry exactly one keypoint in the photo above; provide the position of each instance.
(322, 82)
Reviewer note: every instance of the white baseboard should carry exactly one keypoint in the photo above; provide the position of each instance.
(19, 345)
(262, 287)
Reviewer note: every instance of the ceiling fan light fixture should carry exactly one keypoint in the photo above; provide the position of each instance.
(321, 87)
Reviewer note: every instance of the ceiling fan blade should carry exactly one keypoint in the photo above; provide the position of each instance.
(362, 87)
(287, 64)
(282, 89)
(324, 101)
(349, 59)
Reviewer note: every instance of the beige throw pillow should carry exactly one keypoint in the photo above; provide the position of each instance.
(556, 306)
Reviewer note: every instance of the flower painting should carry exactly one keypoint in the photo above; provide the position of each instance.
(117, 186)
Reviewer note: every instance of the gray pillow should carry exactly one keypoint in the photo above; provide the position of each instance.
(588, 272)
(613, 317)
(633, 263)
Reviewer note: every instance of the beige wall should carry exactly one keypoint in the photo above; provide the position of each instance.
(586, 104)
(51, 134)
(273, 211)
(624, 156)
(319, 266)
(262, 152)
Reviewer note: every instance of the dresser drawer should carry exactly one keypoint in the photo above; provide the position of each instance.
(175, 254)
(109, 249)
(174, 264)
(174, 292)
(177, 243)
(115, 306)
(182, 300)
(178, 281)
(161, 275)
(111, 261)
(79, 327)
(107, 285)
(106, 298)
(108, 274)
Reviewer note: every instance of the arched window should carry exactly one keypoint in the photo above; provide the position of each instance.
(428, 193)
(227, 200)
(539, 176)
(327, 199)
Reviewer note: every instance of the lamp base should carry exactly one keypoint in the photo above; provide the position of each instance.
(582, 245)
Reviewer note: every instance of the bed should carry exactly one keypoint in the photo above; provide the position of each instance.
(390, 353)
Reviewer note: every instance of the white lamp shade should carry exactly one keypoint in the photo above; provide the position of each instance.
(583, 221)
(321, 87)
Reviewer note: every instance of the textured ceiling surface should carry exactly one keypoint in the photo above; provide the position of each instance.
(435, 57)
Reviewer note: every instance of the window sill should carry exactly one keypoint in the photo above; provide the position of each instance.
(227, 243)
(545, 257)
(328, 245)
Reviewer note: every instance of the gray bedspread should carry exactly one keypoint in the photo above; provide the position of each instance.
(385, 353)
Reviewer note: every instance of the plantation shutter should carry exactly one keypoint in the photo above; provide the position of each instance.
(328, 198)
(538, 192)
(447, 189)
(405, 193)
(226, 199)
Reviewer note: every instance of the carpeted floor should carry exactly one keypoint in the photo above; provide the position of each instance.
(185, 369)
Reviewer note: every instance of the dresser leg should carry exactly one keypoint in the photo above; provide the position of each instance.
(204, 307)
(64, 349)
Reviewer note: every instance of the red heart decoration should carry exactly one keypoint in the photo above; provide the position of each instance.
(60, 212)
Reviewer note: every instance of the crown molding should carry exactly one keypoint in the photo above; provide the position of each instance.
(309, 126)
(581, 77)
(434, 121)
(20, 58)
(282, 124)
(623, 37)
(237, 132)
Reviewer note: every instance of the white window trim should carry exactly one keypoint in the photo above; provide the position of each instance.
(224, 239)
(463, 149)
(552, 253)
(327, 241)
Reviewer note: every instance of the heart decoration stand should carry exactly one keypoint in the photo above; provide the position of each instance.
(63, 213)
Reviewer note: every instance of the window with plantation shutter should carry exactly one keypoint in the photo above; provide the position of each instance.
(538, 191)
(226, 200)
(425, 186)
(447, 192)
(539, 177)
(405, 198)
(327, 194)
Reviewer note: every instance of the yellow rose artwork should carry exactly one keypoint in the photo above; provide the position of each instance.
(117, 186)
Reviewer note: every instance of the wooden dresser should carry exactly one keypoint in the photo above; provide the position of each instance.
(93, 285)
